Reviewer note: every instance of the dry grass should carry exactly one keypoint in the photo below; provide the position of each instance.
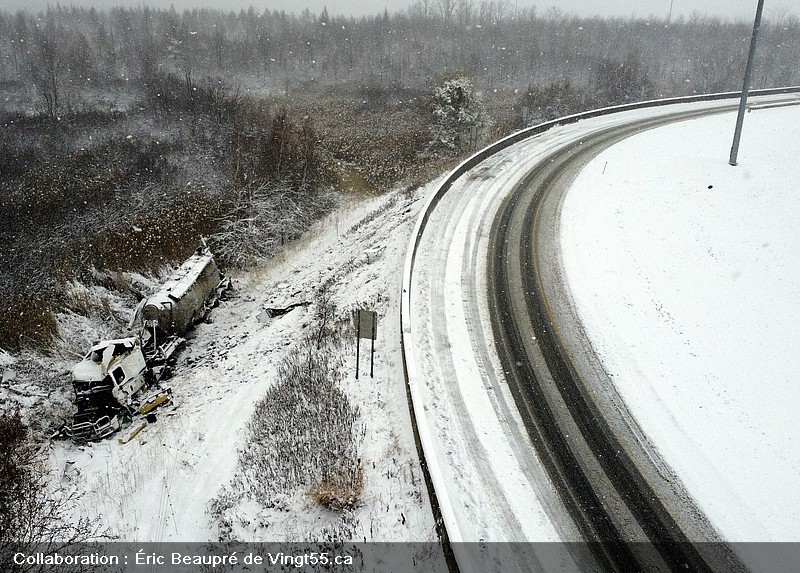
(26, 320)
(304, 431)
(339, 492)
(85, 302)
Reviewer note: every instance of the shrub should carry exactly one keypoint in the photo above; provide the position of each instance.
(262, 219)
(27, 514)
(340, 493)
(305, 432)
(552, 101)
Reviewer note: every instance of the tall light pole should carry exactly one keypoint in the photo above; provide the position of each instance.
(737, 135)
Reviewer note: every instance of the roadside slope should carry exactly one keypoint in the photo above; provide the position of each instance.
(170, 483)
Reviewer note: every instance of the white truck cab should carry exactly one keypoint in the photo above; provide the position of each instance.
(117, 366)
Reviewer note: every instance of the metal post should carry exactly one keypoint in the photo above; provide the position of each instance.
(737, 135)
(372, 354)
(358, 339)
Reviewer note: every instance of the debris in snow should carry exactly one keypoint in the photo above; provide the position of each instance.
(373, 253)
(132, 432)
(268, 313)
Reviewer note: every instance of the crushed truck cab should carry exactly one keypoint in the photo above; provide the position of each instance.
(117, 366)
(108, 377)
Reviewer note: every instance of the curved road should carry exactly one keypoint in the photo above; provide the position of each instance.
(526, 439)
(635, 518)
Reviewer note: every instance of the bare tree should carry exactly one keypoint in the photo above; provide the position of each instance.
(422, 8)
(47, 64)
(19, 41)
(621, 81)
(493, 11)
(447, 8)
(501, 10)
(28, 515)
(466, 10)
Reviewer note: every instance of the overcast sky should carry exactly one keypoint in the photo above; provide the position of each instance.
(734, 9)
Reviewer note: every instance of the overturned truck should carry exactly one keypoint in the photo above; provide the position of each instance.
(117, 379)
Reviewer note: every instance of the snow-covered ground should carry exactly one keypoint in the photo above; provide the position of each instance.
(686, 274)
(161, 485)
(683, 268)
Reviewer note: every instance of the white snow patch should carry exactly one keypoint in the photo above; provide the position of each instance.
(686, 273)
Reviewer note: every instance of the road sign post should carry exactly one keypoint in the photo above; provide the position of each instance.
(366, 327)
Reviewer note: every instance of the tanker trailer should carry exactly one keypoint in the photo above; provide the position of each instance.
(184, 298)
(181, 302)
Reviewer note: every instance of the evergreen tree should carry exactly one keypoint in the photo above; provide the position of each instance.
(459, 114)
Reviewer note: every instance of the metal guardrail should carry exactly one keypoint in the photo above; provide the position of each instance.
(440, 502)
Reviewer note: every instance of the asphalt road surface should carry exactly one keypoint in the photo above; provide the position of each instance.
(625, 506)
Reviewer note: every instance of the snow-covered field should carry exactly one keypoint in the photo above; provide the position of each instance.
(686, 273)
(161, 485)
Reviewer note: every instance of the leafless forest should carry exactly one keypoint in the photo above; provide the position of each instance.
(130, 133)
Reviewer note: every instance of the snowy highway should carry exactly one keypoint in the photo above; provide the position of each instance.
(523, 442)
